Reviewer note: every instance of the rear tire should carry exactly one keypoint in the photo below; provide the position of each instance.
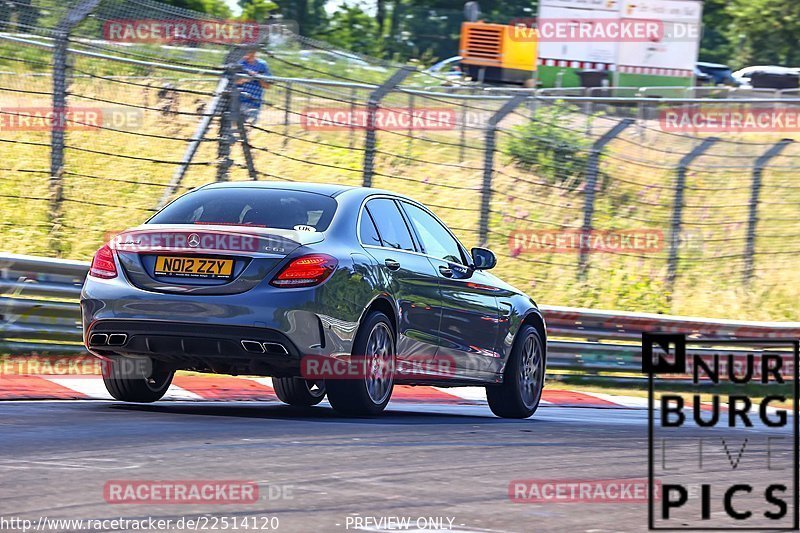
(124, 386)
(523, 380)
(375, 350)
(298, 391)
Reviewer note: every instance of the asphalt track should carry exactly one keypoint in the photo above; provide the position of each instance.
(417, 461)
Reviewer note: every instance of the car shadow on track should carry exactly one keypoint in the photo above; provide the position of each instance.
(271, 411)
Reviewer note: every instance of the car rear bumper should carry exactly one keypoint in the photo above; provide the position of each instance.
(229, 349)
(204, 332)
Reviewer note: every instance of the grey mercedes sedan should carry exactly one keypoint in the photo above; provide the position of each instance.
(328, 289)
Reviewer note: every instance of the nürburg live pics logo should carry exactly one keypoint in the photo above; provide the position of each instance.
(722, 433)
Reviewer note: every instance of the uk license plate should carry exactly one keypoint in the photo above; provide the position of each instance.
(193, 267)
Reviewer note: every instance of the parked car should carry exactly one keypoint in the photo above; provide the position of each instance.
(259, 278)
(331, 57)
(701, 78)
(717, 73)
(449, 68)
(769, 76)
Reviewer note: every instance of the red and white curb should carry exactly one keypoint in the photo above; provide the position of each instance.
(228, 388)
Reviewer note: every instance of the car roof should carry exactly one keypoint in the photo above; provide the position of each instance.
(767, 69)
(712, 65)
(328, 189)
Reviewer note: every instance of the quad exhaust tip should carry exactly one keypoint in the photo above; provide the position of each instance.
(274, 347)
(253, 347)
(108, 339)
(264, 347)
(98, 339)
(117, 339)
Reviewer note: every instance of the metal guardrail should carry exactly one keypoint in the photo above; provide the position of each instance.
(39, 313)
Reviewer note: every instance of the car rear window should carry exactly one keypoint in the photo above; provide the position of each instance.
(244, 206)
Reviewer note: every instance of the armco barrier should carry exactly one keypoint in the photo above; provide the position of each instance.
(39, 314)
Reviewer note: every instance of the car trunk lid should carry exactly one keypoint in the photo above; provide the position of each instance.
(204, 259)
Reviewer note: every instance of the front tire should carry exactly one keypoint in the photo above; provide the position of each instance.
(298, 391)
(374, 350)
(124, 385)
(523, 380)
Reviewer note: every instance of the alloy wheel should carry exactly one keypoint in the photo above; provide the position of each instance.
(379, 363)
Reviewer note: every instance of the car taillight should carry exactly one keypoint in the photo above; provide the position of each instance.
(103, 265)
(305, 271)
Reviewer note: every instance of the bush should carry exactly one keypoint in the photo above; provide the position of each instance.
(550, 147)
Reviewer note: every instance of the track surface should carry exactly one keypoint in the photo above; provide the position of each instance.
(418, 460)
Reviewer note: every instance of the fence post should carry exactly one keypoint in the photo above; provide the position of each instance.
(592, 169)
(372, 109)
(640, 113)
(410, 130)
(752, 219)
(58, 127)
(352, 125)
(462, 139)
(488, 163)
(677, 209)
(287, 109)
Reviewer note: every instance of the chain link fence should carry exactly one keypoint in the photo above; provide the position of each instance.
(592, 198)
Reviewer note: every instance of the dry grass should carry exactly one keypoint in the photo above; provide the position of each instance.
(108, 192)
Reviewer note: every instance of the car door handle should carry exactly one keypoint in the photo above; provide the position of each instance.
(446, 271)
(391, 264)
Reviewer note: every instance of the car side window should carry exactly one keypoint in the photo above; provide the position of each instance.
(436, 240)
(392, 228)
(367, 230)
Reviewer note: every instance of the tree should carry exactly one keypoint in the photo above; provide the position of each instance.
(352, 28)
(309, 15)
(715, 45)
(764, 32)
(258, 10)
(431, 28)
(216, 8)
(380, 15)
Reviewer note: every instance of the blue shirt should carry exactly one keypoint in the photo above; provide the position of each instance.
(252, 91)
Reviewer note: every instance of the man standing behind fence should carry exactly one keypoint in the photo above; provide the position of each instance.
(252, 89)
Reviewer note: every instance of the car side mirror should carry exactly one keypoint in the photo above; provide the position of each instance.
(483, 259)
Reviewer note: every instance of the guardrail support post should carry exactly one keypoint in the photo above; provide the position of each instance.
(752, 219)
(592, 169)
(372, 110)
(677, 209)
(488, 163)
(58, 127)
